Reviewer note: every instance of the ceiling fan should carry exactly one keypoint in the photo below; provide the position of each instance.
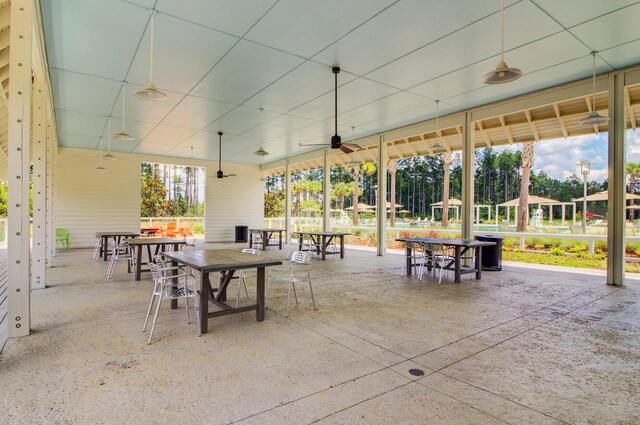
(220, 174)
(336, 141)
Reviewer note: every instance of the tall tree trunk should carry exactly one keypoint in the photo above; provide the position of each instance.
(354, 195)
(446, 162)
(392, 164)
(523, 204)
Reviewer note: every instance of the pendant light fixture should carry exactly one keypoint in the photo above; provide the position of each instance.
(150, 92)
(502, 73)
(122, 134)
(594, 117)
(108, 156)
(100, 167)
(436, 143)
(261, 151)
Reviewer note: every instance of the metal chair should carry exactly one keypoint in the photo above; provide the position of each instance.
(438, 256)
(299, 260)
(97, 247)
(242, 277)
(122, 251)
(256, 240)
(168, 286)
(417, 258)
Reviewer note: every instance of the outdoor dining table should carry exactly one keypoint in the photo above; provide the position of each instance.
(226, 262)
(160, 245)
(460, 246)
(117, 237)
(322, 240)
(266, 234)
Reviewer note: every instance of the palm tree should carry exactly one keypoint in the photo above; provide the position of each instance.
(297, 190)
(354, 196)
(633, 170)
(523, 204)
(446, 162)
(340, 191)
(392, 165)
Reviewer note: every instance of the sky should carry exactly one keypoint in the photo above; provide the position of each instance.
(558, 157)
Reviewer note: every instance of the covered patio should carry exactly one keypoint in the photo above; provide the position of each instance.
(249, 90)
(524, 345)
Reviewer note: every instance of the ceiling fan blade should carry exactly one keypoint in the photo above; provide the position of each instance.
(349, 147)
(231, 175)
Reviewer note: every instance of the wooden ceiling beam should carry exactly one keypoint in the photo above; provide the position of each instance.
(534, 130)
(630, 111)
(4, 38)
(587, 99)
(485, 136)
(506, 130)
(563, 127)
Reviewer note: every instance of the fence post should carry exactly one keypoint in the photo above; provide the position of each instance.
(522, 242)
(592, 246)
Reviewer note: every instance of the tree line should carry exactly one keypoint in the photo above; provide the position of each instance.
(171, 190)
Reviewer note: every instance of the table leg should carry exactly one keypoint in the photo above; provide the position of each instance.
(341, 246)
(203, 309)
(105, 247)
(280, 240)
(457, 265)
(265, 240)
(260, 294)
(323, 247)
(222, 294)
(138, 262)
(174, 302)
(250, 239)
(478, 264)
(299, 241)
(408, 258)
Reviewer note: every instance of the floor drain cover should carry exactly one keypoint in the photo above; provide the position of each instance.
(416, 372)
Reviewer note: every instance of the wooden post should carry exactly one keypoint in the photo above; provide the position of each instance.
(326, 192)
(38, 272)
(467, 178)
(381, 211)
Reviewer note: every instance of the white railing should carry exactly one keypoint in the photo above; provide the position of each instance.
(165, 220)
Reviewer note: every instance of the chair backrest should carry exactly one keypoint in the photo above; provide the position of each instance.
(301, 257)
(251, 251)
(155, 272)
(61, 233)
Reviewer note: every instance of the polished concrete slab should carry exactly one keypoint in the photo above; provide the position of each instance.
(528, 345)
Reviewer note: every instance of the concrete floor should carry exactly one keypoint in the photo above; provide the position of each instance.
(521, 346)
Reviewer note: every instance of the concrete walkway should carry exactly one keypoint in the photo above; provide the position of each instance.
(523, 346)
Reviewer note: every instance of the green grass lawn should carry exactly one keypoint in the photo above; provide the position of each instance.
(585, 261)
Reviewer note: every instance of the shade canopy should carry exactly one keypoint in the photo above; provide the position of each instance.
(532, 200)
(361, 206)
(404, 211)
(452, 202)
(389, 205)
(604, 196)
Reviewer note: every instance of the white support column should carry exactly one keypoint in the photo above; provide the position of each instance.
(51, 236)
(381, 212)
(326, 193)
(287, 202)
(18, 256)
(564, 210)
(496, 213)
(467, 178)
(617, 189)
(38, 271)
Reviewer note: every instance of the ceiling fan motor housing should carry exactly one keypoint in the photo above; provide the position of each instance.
(336, 141)
(220, 174)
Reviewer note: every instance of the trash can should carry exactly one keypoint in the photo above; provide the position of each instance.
(242, 233)
(491, 255)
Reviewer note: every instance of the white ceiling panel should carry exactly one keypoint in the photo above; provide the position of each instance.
(76, 38)
(622, 56)
(241, 119)
(197, 112)
(350, 95)
(304, 27)
(245, 70)
(569, 14)
(203, 140)
(473, 43)
(168, 135)
(138, 129)
(390, 105)
(231, 16)
(368, 48)
(175, 66)
(278, 127)
(307, 81)
(152, 149)
(82, 141)
(186, 152)
(596, 33)
(70, 92)
(80, 123)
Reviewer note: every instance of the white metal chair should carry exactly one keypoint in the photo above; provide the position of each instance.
(97, 247)
(167, 285)
(256, 240)
(122, 251)
(438, 256)
(417, 258)
(299, 260)
(242, 277)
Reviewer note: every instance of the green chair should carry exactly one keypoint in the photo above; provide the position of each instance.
(62, 238)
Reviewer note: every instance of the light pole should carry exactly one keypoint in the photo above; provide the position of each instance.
(585, 168)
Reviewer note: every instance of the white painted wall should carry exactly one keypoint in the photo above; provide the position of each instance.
(87, 200)
(233, 201)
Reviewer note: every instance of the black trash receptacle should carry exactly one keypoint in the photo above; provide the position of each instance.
(242, 234)
(491, 255)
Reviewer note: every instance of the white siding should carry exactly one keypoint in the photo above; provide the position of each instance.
(233, 201)
(88, 200)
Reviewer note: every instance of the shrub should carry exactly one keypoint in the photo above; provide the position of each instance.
(577, 249)
(197, 228)
(556, 251)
